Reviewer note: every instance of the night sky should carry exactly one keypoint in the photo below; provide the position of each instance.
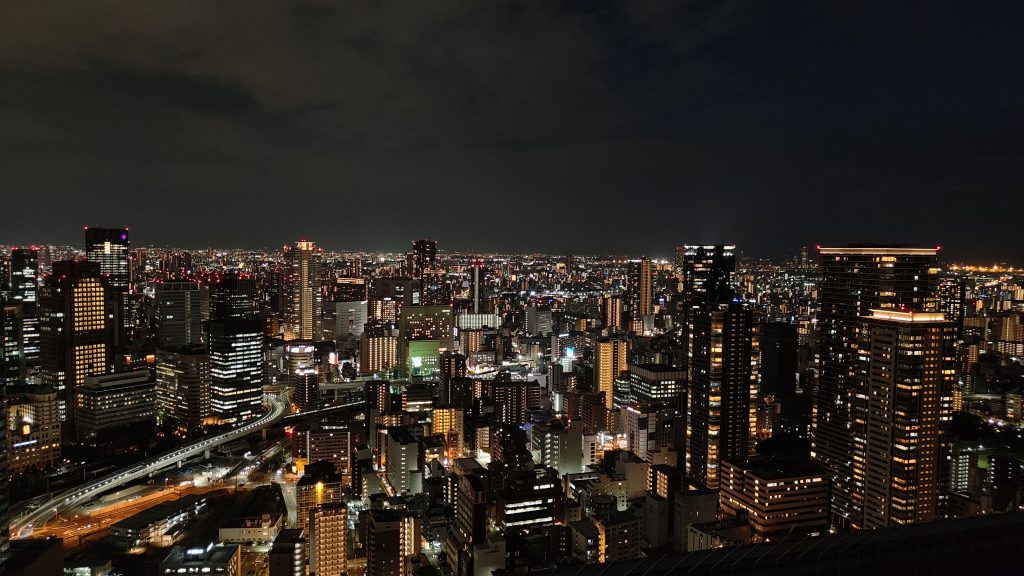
(584, 127)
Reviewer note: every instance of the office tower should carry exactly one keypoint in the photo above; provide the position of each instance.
(611, 358)
(911, 373)
(391, 536)
(378, 349)
(404, 291)
(639, 293)
(328, 539)
(236, 369)
(434, 287)
(33, 428)
(611, 311)
(423, 332)
(76, 329)
(349, 319)
(724, 357)
(12, 347)
(25, 290)
(182, 306)
(476, 287)
(302, 296)
(781, 498)
(111, 248)
(657, 383)
(470, 525)
(538, 320)
(531, 497)
(423, 257)
(112, 401)
(287, 556)
(779, 342)
(305, 388)
(183, 386)
(709, 273)
(853, 281)
(232, 295)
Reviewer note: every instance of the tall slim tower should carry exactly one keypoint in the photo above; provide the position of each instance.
(611, 358)
(111, 248)
(911, 373)
(302, 291)
(25, 289)
(853, 282)
(724, 349)
(639, 292)
(76, 329)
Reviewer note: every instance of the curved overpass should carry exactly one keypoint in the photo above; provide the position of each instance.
(74, 496)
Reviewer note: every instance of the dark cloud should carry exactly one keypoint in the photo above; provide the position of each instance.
(563, 126)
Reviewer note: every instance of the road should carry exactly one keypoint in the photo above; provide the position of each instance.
(67, 500)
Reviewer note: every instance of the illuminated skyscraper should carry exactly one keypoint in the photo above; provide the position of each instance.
(111, 248)
(724, 355)
(911, 373)
(25, 290)
(611, 359)
(854, 281)
(232, 295)
(183, 388)
(639, 293)
(423, 257)
(476, 287)
(302, 294)
(182, 306)
(236, 369)
(328, 539)
(709, 274)
(12, 358)
(612, 312)
(378, 349)
(76, 329)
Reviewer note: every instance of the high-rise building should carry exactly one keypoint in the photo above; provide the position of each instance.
(232, 295)
(302, 296)
(182, 306)
(611, 309)
(724, 356)
(611, 359)
(401, 462)
(24, 270)
(76, 329)
(639, 293)
(853, 281)
(779, 342)
(423, 257)
(391, 537)
(709, 273)
(328, 539)
(477, 297)
(12, 347)
(33, 428)
(114, 401)
(183, 388)
(911, 373)
(111, 248)
(378, 349)
(657, 383)
(236, 369)
(349, 319)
